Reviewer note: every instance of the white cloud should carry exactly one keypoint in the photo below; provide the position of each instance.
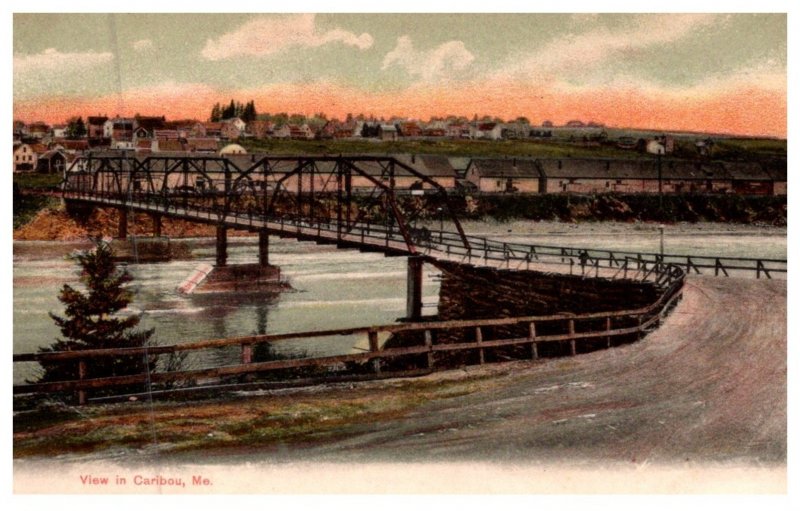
(52, 60)
(759, 77)
(270, 35)
(441, 61)
(579, 52)
(143, 45)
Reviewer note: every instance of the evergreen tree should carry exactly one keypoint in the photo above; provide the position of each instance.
(90, 321)
(76, 128)
(216, 113)
(229, 111)
(249, 112)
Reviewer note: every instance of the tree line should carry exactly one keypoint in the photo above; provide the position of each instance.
(246, 112)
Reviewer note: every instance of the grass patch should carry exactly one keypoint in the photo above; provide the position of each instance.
(447, 147)
(25, 207)
(227, 423)
(36, 181)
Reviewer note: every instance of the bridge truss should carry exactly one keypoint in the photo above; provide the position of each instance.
(347, 192)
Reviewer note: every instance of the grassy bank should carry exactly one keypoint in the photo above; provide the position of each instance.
(446, 147)
(229, 423)
(26, 205)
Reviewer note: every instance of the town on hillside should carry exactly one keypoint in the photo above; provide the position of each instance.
(653, 163)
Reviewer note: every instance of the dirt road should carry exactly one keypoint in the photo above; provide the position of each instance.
(708, 386)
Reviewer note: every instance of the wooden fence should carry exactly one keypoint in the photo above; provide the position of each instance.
(576, 332)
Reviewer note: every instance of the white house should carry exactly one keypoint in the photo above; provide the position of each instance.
(655, 147)
(240, 124)
(59, 131)
(488, 130)
(25, 158)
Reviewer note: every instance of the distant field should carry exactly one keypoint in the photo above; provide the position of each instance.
(449, 147)
(759, 146)
(747, 148)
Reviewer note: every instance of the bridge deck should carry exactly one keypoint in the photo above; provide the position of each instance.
(447, 246)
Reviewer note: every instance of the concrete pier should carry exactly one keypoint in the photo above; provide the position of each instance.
(414, 288)
(222, 245)
(122, 228)
(263, 248)
(234, 278)
(156, 225)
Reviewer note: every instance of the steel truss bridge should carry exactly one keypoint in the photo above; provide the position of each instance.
(370, 203)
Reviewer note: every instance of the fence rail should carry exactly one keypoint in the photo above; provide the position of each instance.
(577, 330)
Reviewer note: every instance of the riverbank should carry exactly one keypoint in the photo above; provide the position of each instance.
(54, 223)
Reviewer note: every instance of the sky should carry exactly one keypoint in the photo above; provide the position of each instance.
(712, 72)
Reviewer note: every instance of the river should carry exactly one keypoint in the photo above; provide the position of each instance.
(330, 288)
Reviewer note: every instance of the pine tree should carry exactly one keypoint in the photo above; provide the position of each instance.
(229, 111)
(80, 128)
(90, 321)
(76, 128)
(216, 113)
(249, 112)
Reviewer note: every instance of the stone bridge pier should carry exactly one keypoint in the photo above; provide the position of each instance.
(414, 288)
(222, 247)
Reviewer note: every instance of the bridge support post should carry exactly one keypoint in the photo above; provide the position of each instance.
(222, 245)
(156, 225)
(263, 248)
(414, 288)
(122, 228)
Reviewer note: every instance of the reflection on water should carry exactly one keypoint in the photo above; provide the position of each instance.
(331, 289)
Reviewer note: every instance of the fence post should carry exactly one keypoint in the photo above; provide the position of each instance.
(429, 345)
(479, 340)
(247, 353)
(81, 376)
(639, 329)
(608, 329)
(373, 348)
(532, 337)
(572, 337)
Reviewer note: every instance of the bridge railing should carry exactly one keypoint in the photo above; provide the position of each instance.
(450, 245)
(426, 346)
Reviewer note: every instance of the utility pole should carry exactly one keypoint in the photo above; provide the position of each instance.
(441, 223)
(660, 190)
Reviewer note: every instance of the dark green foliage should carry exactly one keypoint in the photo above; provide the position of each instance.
(90, 321)
(631, 207)
(216, 113)
(246, 112)
(26, 206)
(76, 128)
(249, 112)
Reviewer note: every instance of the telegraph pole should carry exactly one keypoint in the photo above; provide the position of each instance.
(660, 190)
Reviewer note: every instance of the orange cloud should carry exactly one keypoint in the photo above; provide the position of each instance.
(738, 107)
